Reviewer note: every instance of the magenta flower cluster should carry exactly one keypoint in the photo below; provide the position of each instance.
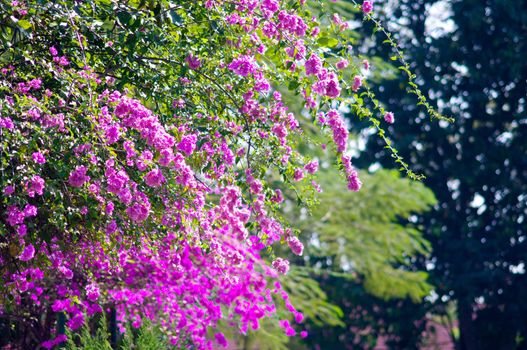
(167, 216)
(193, 283)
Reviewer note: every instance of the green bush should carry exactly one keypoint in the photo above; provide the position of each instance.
(147, 337)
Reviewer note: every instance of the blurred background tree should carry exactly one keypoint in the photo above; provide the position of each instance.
(469, 57)
(361, 251)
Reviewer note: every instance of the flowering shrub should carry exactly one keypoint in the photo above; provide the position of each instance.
(137, 143)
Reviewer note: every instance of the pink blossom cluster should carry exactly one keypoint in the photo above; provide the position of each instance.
(367, 6)
(327, 84)
(352, 176)
(149, 276)
(165, 217)
(339, 129)
(389, 118)
(192, 283)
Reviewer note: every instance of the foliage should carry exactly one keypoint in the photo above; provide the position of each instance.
(88, 341)
(361, 250)
(147, 337)
(138, 143)
(367, 232)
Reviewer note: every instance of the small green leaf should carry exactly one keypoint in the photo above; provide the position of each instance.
(24, 24)
(328, 42)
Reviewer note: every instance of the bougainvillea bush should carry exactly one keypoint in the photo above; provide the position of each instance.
(137, 139)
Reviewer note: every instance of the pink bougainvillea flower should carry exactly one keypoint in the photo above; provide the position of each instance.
(367, 6)
(35, 186)
(28, 253)
(192, 61)
(78, 176)
(38, 158)
(389, 118)
(281, 265)
(296, 246)
(154, 178)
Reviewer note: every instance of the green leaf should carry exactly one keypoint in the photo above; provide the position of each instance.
(328, 41)
(24, 24)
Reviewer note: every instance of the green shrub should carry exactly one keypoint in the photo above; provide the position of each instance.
(97, 337)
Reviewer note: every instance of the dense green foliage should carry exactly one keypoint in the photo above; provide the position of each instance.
(367, 234)
(361, 252)
(147, 337)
